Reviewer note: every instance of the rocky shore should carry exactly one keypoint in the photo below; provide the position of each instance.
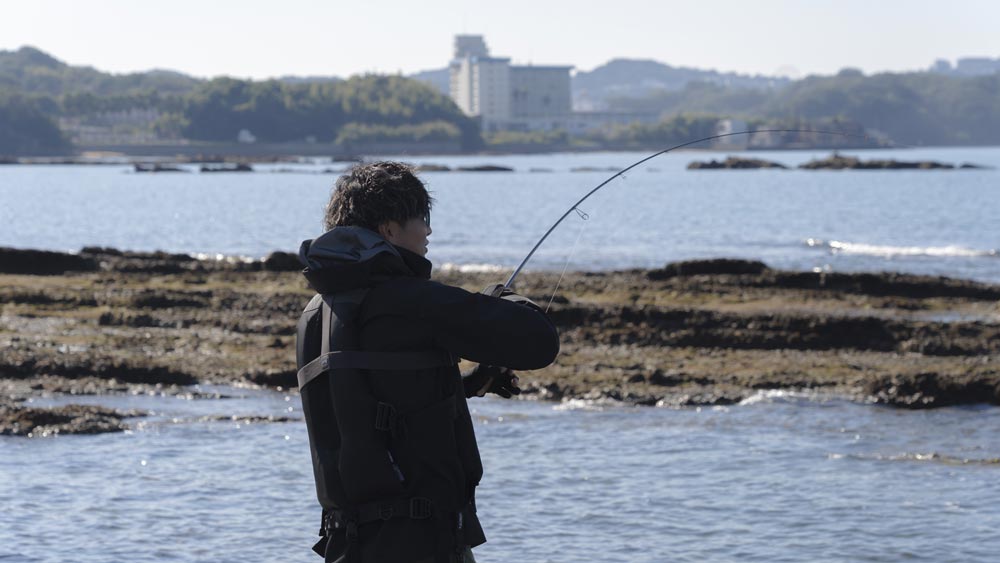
(711, 332)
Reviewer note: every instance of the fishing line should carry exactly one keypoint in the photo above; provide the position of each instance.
(622, 172)
(585, 217)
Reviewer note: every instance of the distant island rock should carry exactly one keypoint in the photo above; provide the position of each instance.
(840, 162)
(735, 163)
(236, 167)
(485, 168)
(833, 162)
(432, 168)
(141, 167)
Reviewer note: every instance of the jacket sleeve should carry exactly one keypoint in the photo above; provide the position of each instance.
(477, 327)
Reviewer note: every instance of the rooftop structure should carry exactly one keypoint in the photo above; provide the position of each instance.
(506, 96)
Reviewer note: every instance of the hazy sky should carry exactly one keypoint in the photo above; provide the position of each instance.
(258, 39)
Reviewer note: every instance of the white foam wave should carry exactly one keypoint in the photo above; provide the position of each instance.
(472, 268)
(778, 396)
(228, 259)
(583, 405)
(890, 251)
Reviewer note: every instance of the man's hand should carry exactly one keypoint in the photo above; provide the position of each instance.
(503, 292)
(497, 290)
(490, 379)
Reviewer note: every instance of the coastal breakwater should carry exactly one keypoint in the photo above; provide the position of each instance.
(713, 332)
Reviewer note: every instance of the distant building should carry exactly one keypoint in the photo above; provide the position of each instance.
(507, 97)
(968, 66)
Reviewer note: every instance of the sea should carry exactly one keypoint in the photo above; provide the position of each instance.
(782, 476)
(933, 222)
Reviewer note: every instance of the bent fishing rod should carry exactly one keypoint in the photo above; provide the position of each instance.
(574, 207)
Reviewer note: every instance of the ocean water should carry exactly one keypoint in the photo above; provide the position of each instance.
(934, 222)
(780, 478)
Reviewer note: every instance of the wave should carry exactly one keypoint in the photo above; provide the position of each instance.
(890, 251)
(933, 457)
(225, 258)
(473, 268)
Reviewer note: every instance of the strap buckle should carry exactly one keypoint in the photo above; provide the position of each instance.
(386, 511)
(420, 508)
(385, 417)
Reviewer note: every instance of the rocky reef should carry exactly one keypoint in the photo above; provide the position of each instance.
(18, 420)
(705, 332)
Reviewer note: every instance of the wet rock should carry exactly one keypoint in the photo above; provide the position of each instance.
(881, 284)
(138, 321)
(72, 366)
(735, 163)
(43, 263)
(285, 379)
(282, 262)
(699, 328)
(708, 267)
(160, 299)
(551, 391)
(250, 419)
(114, 260)
(930, 389)
(18, 420)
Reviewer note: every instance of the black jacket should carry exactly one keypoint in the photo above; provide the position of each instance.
(404, 311)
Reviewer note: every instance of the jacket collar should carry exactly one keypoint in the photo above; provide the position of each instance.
(346, 258)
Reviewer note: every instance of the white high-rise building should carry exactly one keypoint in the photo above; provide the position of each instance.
(504, 96)
(480, 87)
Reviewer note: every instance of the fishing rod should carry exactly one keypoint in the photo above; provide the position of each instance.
(574, 207)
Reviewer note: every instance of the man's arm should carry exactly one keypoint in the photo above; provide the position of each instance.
(484, 329)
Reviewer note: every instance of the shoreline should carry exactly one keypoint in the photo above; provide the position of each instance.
(709, 332)
(208, 153)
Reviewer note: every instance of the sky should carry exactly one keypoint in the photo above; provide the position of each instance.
(259, 39)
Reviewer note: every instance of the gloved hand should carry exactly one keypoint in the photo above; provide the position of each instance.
(497, 290)
(507, 294)
(490, 379)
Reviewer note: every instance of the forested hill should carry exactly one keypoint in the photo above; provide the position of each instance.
(638, 77)
(91, 107)
(913, 108)
(30, 71)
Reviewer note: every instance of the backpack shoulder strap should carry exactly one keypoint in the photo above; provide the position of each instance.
(343, 307)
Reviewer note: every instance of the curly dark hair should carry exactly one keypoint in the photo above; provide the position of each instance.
(373, 193)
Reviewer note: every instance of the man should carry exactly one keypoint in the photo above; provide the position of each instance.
(394, 452)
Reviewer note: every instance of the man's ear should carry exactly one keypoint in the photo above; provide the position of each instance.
(386, 230)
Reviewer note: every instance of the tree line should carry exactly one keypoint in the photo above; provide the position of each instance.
(913, 108)
(37, 90)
